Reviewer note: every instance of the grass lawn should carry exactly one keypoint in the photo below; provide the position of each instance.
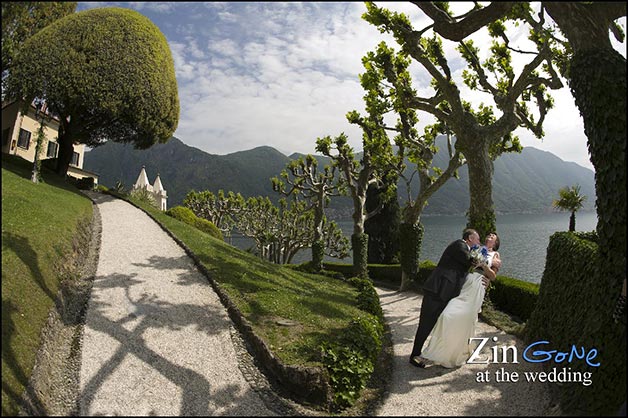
(266, 293)
(39, 222)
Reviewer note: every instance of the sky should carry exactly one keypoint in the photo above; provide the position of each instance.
(284, 74)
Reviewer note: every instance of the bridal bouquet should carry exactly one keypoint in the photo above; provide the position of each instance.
(478, 255)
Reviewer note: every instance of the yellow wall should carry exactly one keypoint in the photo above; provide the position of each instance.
(14, 120)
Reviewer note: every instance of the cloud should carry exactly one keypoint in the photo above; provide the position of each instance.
(283, 74)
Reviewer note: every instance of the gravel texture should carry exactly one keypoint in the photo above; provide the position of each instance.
(155, 339)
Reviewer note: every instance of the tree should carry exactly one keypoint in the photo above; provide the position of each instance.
(20, 21)
(390, 91)
(383, 227)
(107, 74)
(481, 136)
(281, 232)
(596, 74)
(357, 177)
(302, 178)
(570, 200)
(220, 209)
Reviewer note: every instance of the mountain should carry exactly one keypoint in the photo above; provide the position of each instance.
(183, 168)
(522, 183)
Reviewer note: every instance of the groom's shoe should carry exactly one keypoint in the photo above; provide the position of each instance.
(418, 361)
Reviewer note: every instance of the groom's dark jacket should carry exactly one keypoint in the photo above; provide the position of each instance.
(447, 278)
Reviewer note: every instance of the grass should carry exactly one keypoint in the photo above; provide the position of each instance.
(320, 306)
(39, 223)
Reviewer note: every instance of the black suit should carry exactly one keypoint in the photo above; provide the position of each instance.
(443, 285)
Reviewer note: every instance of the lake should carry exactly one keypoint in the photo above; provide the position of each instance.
(524, 239)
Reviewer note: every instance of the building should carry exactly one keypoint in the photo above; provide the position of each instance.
(19, 137)
(157, 189)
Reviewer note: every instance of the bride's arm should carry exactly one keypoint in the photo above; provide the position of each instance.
(496, 266)
(488, 272)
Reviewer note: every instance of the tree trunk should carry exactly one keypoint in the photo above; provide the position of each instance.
(597, 79)
(572, 222)
(410, 237)
(598, 83)
(66, 149)
(318, 246)
(359, 240)
(481, 215)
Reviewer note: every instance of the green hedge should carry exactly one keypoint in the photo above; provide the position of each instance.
(515, 297)
(574, 308)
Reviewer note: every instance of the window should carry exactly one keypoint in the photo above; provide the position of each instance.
(52, 149)
(25, 139)
(75, 159)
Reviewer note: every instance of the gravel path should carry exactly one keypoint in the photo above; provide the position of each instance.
(436, 390)
(156, 340)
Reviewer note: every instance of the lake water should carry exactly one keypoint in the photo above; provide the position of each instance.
(524, 239)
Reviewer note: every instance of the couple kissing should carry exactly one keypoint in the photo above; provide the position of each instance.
(453, 296)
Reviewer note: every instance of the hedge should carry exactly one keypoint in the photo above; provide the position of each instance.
(574, 309)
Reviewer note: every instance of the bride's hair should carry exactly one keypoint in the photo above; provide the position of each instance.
(496, 245)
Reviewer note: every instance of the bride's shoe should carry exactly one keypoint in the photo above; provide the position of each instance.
(418, 361)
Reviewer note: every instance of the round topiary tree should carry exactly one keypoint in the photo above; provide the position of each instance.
(107, 73)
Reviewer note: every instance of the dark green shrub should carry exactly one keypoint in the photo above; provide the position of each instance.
(410, 237)
(345, 269)
(102, 188)
(425, 269)
(182, 213)
(367, 298)
(350, 359)
(574, 309)
(515, 297)
(208, 227)
(186, 215)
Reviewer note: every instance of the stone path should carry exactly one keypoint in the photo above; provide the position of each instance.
(157, 340)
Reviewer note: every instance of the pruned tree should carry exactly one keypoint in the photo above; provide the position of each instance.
(377, 156)
(481, 136)
(570, 199)
(258, 220)
(596, 75)
(107, 73)
(390, 91)
(220, 209)
(23, 19)
(301, 178)
(281, 232)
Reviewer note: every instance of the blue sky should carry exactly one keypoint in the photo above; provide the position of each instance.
(284, 74)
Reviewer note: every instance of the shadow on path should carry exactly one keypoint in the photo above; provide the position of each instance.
(436, 390)
(148, 312)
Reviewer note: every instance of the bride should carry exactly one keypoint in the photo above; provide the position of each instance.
(449, 342)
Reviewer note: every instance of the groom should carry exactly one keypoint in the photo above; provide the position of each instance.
(443, 285)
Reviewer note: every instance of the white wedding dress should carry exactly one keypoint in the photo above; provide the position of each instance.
(448, 344)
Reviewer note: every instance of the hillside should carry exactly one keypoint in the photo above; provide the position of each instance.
(523, 183)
